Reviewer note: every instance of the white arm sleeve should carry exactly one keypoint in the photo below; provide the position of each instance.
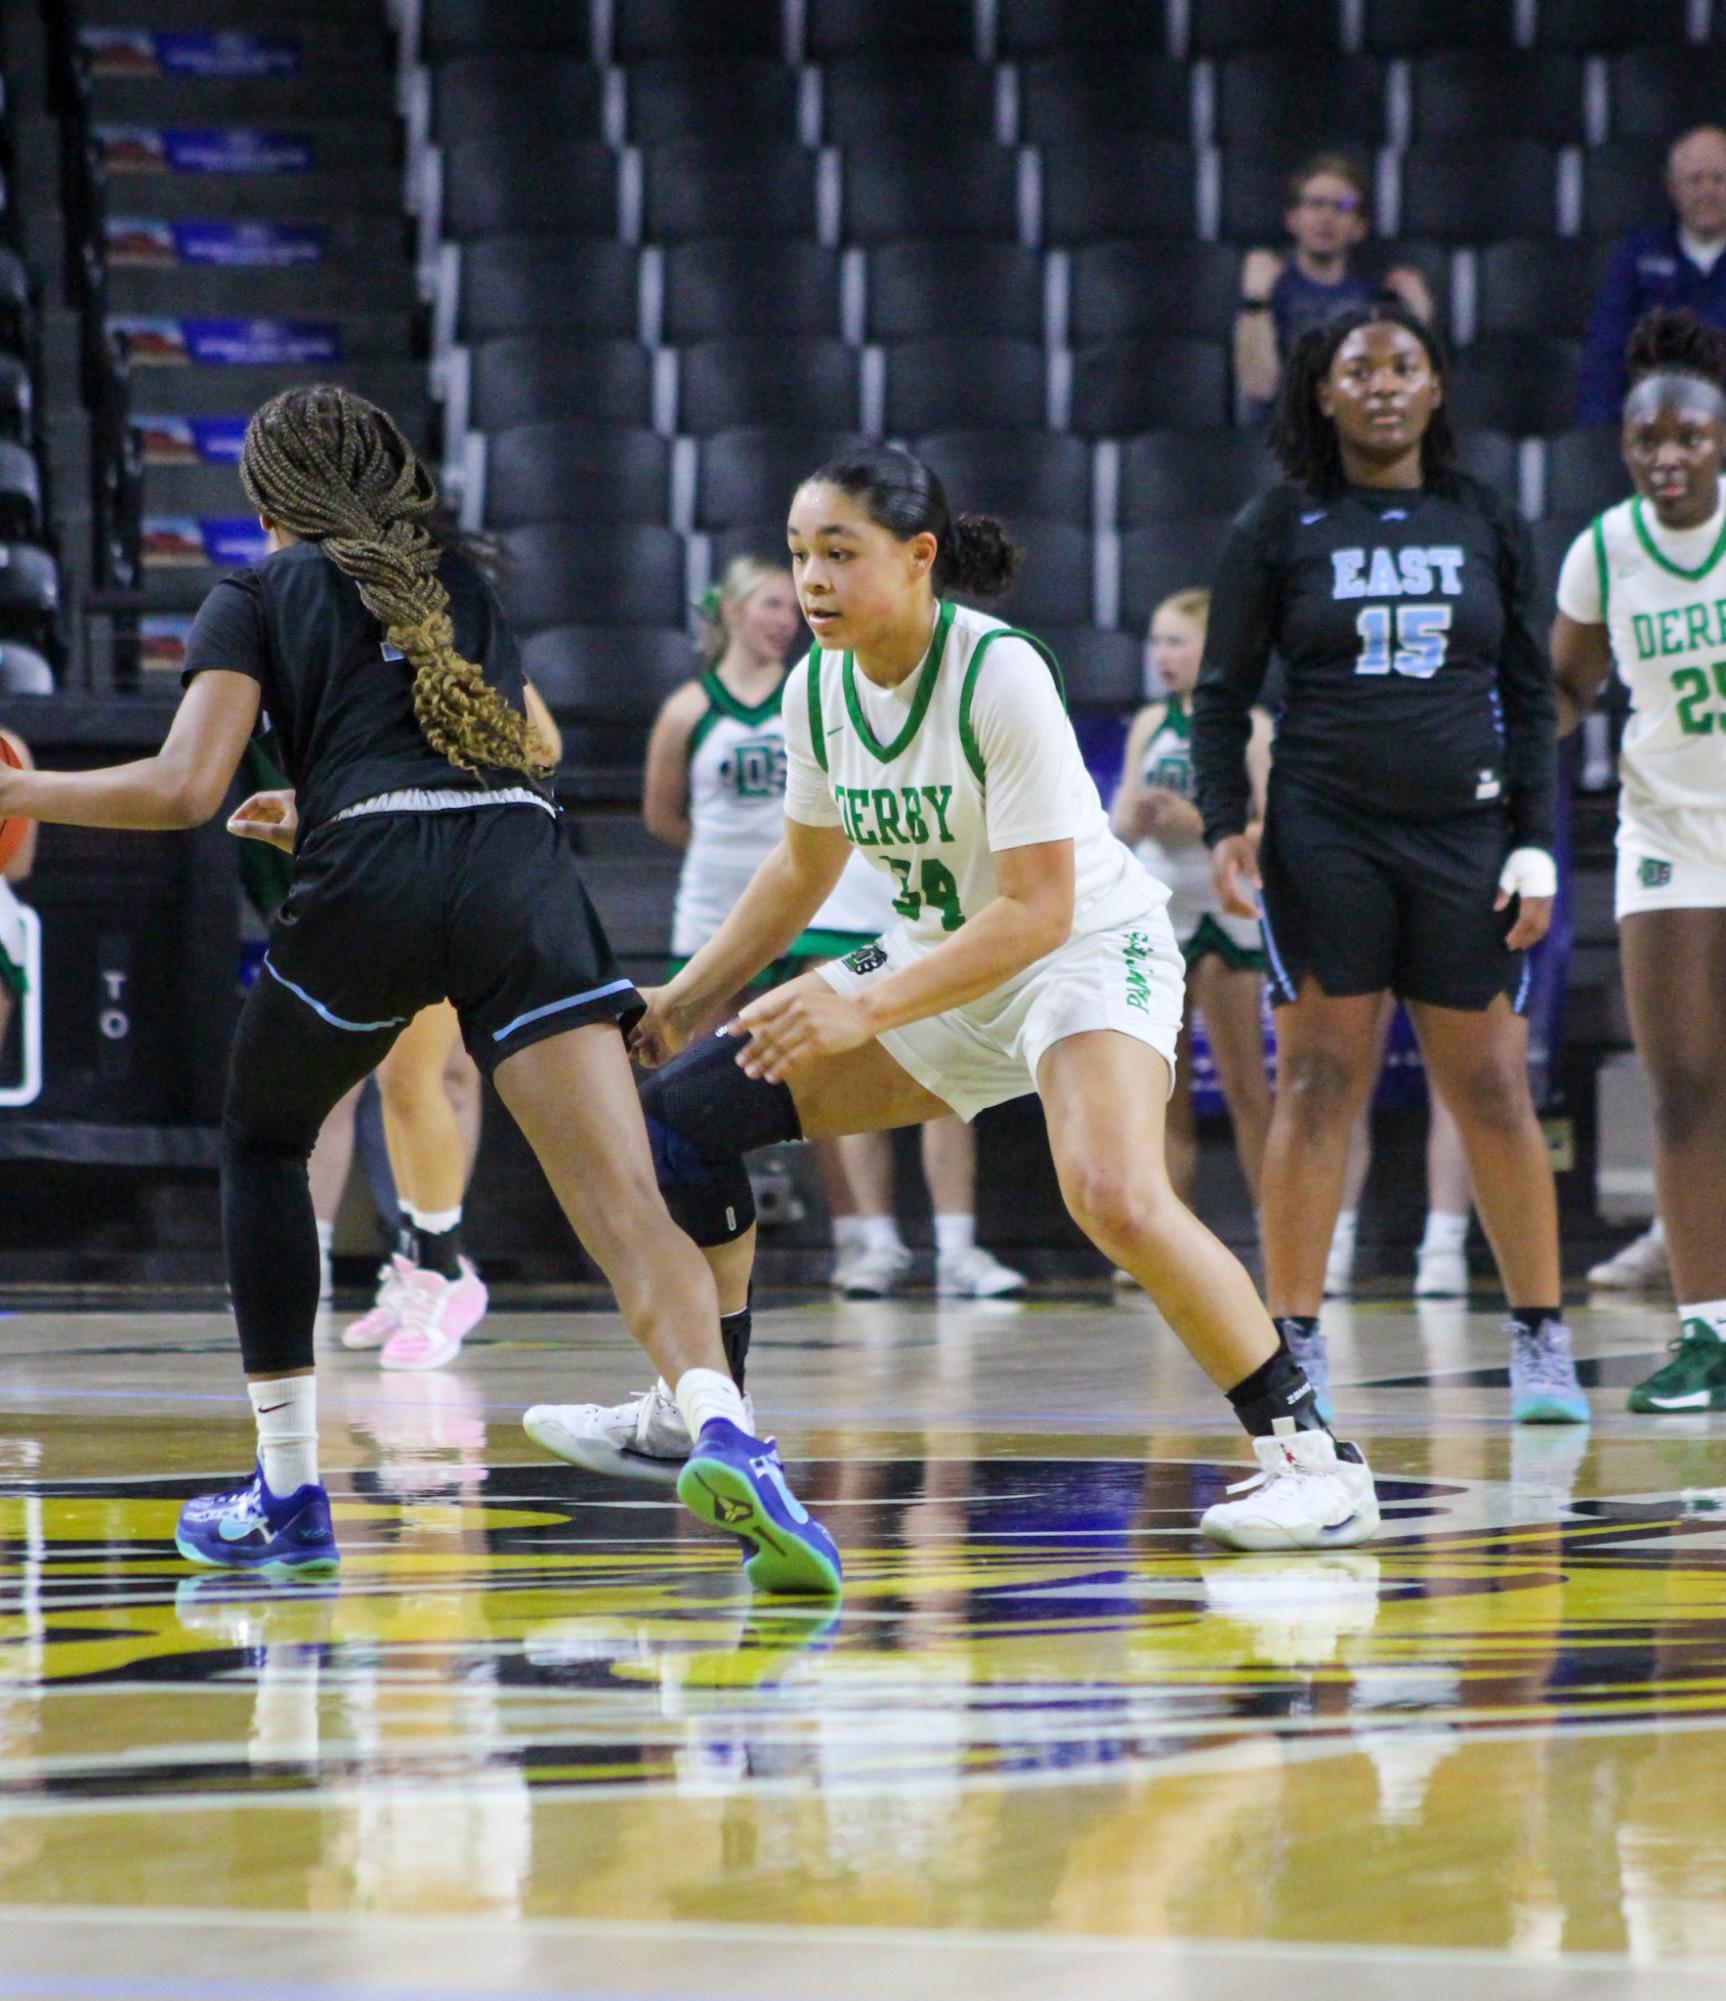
(1033, 775)
(808, 797)
(1579, 582)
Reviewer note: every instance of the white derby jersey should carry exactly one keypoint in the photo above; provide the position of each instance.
(1661, 594)
(969, 754)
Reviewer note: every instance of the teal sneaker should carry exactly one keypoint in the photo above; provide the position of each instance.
(253, 1529)
(1694, 1379)
(736, 1483)
(1543, 1385)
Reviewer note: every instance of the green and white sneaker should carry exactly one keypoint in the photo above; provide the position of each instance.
(1694, 1379)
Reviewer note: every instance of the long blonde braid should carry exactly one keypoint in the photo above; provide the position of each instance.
(334, 469)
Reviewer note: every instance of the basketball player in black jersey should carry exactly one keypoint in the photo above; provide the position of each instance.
(1408, 840)
(429, 864)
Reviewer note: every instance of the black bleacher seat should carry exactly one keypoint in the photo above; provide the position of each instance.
(1082, 92)
(1039, 475)
(1544, 284)
(968, 187)
(16, 318)
(1552, 540)
(1118, 187)
(763, 538)
(1102, 671)
(925, 288)
(575, 472)
(523, 378)
(1657, 93)
(24, 671)
(749, 379)
(20, 493)
(1522, 383)
(1278, 100)
(17, 397)
(983, 381)
(1624, 186)
(748, 98)
(721, 286)
(1165, 557)
(878, 99)
(644, 28)
(873, 27)
(747, 476)
(521, 180)
(696, 187)
(29, 596)
(476, 95)
(1055, 585)
(1585, 471)
(1499, 94)
(552, 284)
(1232, 27)
(1480, 191)
(600, 673)
(1131, 288)
(1122, 387)
(1410, 27)
(593, 572)
(1609, 24)
(462, 27)
(1493, 456)
(1044, 27)
(1168, 474)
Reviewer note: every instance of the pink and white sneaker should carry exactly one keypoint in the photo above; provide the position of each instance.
(436, 1316)
(373, 1329)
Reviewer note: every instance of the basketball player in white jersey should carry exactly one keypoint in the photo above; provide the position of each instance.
(1031, 952)
(1643, 590)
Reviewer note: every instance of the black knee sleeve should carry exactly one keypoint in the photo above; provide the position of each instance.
(703, 1115)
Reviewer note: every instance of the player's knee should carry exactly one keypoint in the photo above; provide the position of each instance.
(1119, 1206)
(1317, 1087)
(1494, 1096)
(1689, 1101)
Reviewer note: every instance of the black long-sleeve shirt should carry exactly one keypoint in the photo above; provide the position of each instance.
(1418, 685)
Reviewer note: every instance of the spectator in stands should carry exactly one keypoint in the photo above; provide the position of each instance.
(1678, 262)
(1283, 295)
(12, 974)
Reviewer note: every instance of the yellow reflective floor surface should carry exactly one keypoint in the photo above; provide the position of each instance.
(540, 1741)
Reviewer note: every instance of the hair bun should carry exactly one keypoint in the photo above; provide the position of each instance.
(1674, 338)
(978, 556)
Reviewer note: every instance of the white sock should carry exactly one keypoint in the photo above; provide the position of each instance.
(703, 1394)
(1445, 1230)
(847, 1234)
(1656, 1231)
(879, 1233)
(287, 1414)
(1710, 1311)
(326, 1239)
(432, 1222)
(1346, 1222)
(955, 1236)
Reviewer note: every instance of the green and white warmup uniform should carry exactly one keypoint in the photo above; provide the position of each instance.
(969, 755)
(1200, 922)
(736, 816)
(1661, 594)
(12, 949)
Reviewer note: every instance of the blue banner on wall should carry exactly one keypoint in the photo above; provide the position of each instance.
(173, 541)
(145, 52)
(201, 149)
(228, 245)
(189, 440)
(221, 342)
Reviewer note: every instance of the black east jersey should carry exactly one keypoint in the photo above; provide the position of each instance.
(1417, 685)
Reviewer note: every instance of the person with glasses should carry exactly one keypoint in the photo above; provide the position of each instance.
(1283, 294)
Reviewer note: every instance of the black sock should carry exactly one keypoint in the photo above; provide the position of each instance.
(1277, 1388)
(437, 1251)
(1532, 1318)
(734, 1332)
(1296, 1323)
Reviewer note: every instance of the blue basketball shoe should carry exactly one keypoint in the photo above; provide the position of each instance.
(253, 1529)
(736, 1483)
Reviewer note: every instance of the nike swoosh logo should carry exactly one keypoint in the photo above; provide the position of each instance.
(265, 1409)
(1693, 1400)
(837, 727)
(1307, 520)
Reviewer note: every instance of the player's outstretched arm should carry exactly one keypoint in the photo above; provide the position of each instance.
(181, 786)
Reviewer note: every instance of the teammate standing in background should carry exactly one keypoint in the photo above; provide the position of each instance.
(1644, 590)
(1411, 805)
(430, 866)
(1225, 962)
(1031, 952)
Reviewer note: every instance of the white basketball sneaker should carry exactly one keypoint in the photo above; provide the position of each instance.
(1304, 1496)
(871, 1273)
(1441, 1272)
(1642, 1265)
(644, 1438)
(976, 1274)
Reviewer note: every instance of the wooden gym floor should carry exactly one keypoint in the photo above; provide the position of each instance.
(540, 1742)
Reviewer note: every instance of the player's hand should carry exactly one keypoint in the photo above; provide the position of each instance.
(1235, 874)
(267, 816)
(1531, 875)
(796, 1023)
(662, 1031)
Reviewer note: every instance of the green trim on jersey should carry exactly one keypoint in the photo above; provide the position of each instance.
(817, 725)
(814, 944)
(1210, 937)
(723, 705)
(1597, 527)
(929, 673)
(15, 981)
(1666, 563)
(968, 736)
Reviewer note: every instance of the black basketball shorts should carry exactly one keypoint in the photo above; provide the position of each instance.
(1367, 904)
(484, 907)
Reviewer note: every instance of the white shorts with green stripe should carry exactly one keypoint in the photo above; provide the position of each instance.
(1130, 979)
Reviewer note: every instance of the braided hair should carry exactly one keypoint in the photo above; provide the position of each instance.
(334, 469)
(1676, 342)
(1304, 439)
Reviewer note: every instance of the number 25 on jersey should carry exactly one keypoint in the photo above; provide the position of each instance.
(1421, 633)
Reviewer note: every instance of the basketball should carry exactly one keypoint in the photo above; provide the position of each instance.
(12, 832)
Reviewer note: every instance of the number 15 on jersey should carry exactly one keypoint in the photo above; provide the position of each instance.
(1421, 632)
